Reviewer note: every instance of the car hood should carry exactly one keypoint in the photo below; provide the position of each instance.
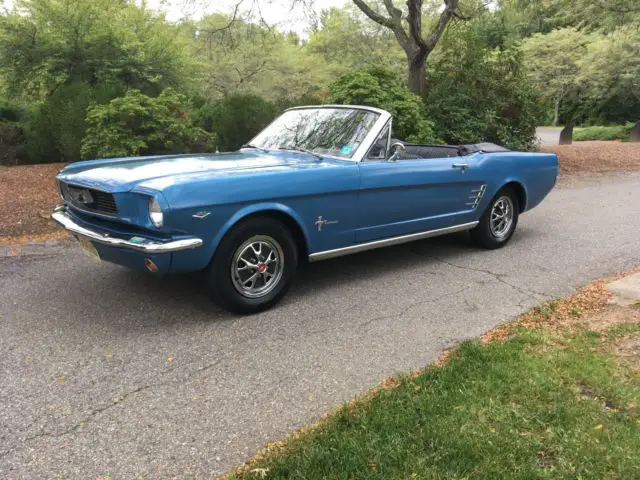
(123, 174)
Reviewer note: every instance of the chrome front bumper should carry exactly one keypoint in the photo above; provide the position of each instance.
(62, 217)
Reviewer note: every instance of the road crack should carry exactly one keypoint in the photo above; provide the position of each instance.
(97, 411)
(496, 276)
(412, 305)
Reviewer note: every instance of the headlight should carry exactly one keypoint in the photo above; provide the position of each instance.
(155, 212)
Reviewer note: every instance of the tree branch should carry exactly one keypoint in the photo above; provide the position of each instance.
(229, 24)
(415, 23)
(449, 10)
(373, 15)
(394, 23)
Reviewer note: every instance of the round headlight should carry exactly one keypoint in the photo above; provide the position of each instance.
(155, 212)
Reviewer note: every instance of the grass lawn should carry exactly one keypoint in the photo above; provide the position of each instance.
(614, 132)
(544, 404)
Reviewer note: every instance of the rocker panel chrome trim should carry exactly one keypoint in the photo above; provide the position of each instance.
(362, 247)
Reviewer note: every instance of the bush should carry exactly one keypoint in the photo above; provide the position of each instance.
(382, 88)
(12, 135)
(140, 125)
(615, 132)
(235, 119)
(477, 93)
(56, 126)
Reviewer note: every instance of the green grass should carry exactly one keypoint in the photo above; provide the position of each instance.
(543, 405)
(616, 132)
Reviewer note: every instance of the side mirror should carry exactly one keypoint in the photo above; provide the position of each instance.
(397, 150)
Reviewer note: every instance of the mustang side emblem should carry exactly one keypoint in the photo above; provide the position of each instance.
(82, 196)
(321, 222)
(201, 215)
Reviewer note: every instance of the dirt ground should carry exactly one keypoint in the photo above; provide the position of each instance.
(28, 193)
(27, 196)
(596, 157)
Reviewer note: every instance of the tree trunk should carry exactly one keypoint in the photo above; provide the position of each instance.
(634, 136)
(417, 74)
(566, 135)
(556, 113)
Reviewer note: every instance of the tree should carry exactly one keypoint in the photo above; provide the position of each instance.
(347, 40)
(554, 63)
(113, 44)
(417, 44)
(238, 57)
(478, 91)
(610, 76)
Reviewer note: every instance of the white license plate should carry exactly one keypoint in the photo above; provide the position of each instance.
(88, 247)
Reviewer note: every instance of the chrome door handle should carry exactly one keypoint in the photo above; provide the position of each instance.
(462, 166)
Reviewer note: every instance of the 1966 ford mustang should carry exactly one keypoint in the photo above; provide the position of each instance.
(317, 183)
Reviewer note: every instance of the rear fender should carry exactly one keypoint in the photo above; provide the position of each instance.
(493, 190)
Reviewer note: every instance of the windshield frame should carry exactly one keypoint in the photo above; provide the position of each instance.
(367, 142)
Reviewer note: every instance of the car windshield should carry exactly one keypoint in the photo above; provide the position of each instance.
(337, 132)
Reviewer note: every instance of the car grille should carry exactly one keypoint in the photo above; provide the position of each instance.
(89, 199)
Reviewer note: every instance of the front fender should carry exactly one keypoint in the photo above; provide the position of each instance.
(257, 208)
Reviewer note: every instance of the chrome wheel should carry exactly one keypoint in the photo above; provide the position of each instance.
(502, 213)
(257, 266)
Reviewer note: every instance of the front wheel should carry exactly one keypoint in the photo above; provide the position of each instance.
(254, 266)
(498, 222)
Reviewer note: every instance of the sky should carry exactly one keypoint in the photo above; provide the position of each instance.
(275, 12)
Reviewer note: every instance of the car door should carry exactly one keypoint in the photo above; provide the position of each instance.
(417, 195)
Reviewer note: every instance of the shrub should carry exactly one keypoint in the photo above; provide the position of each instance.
(235, 119)
(56, 126)
(477, 93)
(140, 125)
(12, 137)
(615, 132)
(382, 88)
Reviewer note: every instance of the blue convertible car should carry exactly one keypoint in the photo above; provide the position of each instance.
(317, 183)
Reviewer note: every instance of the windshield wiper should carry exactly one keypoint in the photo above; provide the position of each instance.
(301, 149)
(250, 145)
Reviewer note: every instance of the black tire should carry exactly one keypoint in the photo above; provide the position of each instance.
(487, 237)
(232, 291)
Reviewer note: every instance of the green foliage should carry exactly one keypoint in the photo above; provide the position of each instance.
(55, 126)
(554, 64)
(48, 43)
(477, 93)
(348, 41)
(524, 18)
(382, 88)
(581, 60)
(236, 119)
(239, 58)
(615, 132)
(140, 125)
(12, 135)
(610, 77)
(543, 405)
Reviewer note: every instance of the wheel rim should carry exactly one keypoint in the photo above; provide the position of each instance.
(257, 266)
(502, 213)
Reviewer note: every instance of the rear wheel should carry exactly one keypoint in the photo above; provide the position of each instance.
(498, 222)
(254, 266)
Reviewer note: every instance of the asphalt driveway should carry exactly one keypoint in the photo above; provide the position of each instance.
(548, 135)
(107, 372)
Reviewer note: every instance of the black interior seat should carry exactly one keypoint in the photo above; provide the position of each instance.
(432, 151)
(414, 151)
